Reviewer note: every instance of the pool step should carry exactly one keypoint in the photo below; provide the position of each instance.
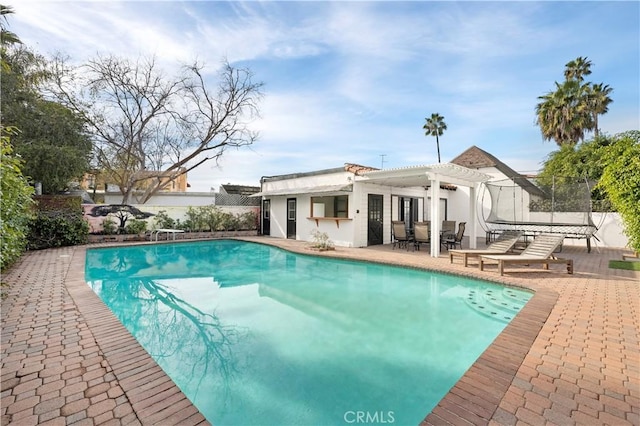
(501, 305)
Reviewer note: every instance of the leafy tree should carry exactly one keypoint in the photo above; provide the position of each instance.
(53, 143)
(567, 113)
(52, 139)
(15, 202)
(621, 181)
(142, 120)
(583, 161)
(435, 126)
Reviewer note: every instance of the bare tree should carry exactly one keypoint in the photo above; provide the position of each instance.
(148, 128)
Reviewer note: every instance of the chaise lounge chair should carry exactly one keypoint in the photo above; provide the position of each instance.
(502, 245)
(539, 251)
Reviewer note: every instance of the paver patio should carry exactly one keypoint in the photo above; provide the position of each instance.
(571, 356)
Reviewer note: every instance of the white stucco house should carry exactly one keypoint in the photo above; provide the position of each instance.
(355, 205)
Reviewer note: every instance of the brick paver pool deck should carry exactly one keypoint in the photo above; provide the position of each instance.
(571, 356)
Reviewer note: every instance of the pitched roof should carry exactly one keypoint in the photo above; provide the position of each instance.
(476, 158)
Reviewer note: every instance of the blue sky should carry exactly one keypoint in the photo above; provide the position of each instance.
(353, 81)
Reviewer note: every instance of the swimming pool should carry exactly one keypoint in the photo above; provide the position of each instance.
(253, 334)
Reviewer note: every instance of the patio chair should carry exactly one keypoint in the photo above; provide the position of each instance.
(421, 234)
(452, 241)
(448, 228)
(501, 245)
(400, 236)
(540, 251)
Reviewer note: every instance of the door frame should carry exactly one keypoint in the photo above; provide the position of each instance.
(292, 211)
(266, 217)
(380, 215)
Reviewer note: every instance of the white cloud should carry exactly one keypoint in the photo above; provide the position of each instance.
(350, 81)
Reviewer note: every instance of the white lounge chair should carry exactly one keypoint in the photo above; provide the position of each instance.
(540, 251)
(502, 245)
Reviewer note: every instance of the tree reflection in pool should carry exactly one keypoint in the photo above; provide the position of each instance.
(253, 334)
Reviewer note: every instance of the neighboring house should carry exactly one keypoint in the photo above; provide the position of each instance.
(504, 176)
(238, 189)
(355, 204)
(96, 180)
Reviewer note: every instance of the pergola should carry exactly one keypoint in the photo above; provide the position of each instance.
(433, 176)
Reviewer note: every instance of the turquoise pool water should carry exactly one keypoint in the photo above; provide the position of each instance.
(255, 335)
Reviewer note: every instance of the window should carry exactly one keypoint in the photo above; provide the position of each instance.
(336, 206)
(266, 208)
(408, 211)
(291, 209)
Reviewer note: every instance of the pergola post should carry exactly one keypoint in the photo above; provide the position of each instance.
(435, 215)
(472, 216)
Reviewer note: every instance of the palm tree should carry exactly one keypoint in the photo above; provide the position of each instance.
(6, 36)
(598, 100)
(435, 126)
(577, 69)
(564, 115)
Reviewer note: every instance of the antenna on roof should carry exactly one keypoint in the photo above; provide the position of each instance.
(382, 160)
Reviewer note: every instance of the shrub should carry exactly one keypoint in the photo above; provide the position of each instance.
(56, 229)
(621, 181)
(248, 221)
(195, 221)
(109, 226)
(211, 218)
(15, 203)
(321, 240)
(163, 221)
(135, 226)
(229, 222)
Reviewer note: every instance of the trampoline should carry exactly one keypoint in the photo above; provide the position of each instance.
(536, 206)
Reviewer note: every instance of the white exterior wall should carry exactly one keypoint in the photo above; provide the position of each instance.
(610, 232)
(361, 203)
(390, 212)
(341, 235)
(278, 217)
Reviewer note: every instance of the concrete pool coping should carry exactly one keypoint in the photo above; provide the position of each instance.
(556, 362)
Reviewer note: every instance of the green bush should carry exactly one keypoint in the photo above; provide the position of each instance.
(135, 226)
(212, 218)
(15, 203)
(195, 221)
(621, 181)
(228, 222)
(163, 221)
(57, 229)
(109, 226)
(248, 221)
